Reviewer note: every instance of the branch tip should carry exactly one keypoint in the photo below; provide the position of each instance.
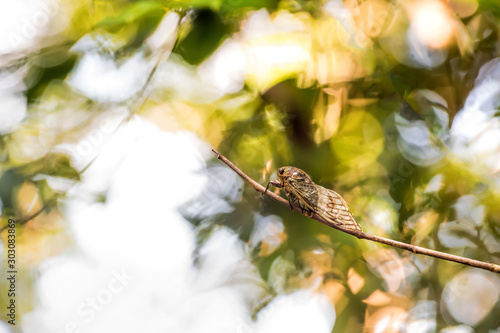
(216, 153)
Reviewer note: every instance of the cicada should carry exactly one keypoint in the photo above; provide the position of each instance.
(305, 194)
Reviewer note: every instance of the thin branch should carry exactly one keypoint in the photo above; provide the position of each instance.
(362, 235)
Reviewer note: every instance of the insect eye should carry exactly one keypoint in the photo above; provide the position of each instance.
(280, 171)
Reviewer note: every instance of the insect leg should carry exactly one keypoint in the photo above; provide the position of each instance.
(274, 183)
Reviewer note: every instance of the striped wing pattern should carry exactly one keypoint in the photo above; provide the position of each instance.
(304, 193)
(332, 207)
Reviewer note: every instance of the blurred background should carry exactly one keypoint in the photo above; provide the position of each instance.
(126, 222)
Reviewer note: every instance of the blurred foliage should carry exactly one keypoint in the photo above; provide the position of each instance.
(392, 104)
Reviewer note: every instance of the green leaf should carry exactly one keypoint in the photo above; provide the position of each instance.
(10, 181)
(54, 164)
(132, 13)
(203, 39)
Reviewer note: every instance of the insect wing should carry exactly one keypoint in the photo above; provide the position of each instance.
(306, 192)
(332, 207)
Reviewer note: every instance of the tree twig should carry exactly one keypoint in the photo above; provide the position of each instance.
(360, 234)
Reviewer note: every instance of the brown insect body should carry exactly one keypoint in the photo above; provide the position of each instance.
(305, 194)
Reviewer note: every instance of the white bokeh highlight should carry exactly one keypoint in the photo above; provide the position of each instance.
(136, 264)
(471, 295)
